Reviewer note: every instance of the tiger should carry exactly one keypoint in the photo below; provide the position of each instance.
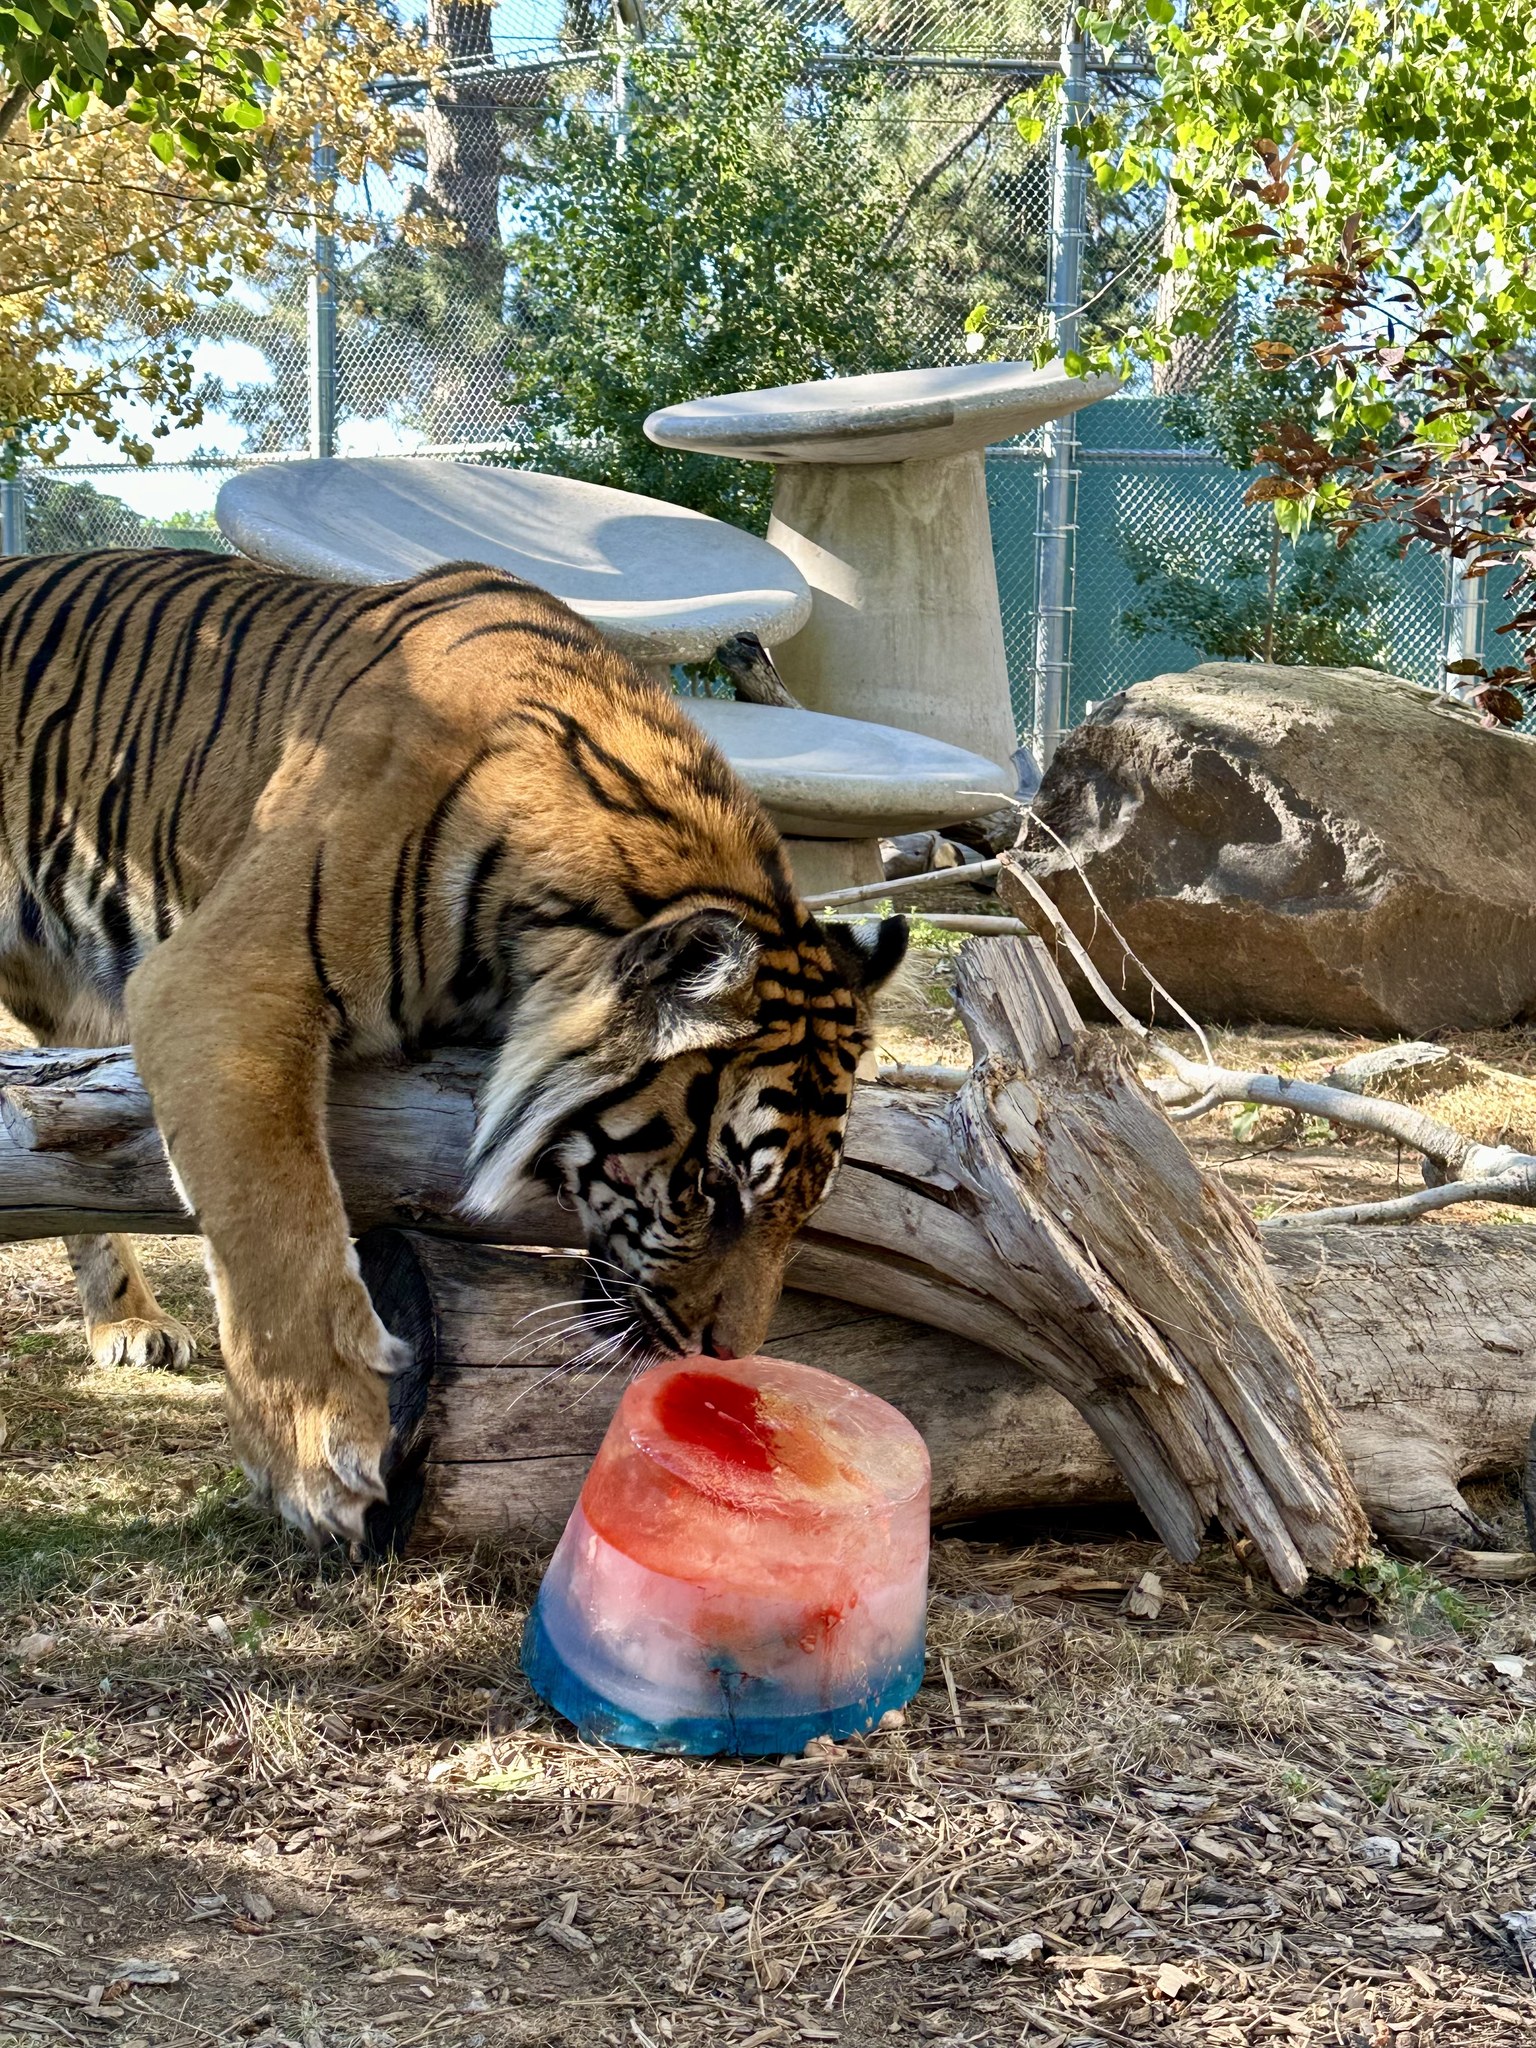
(262, 825)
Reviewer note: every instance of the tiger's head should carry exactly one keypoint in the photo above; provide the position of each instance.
(688, 1095)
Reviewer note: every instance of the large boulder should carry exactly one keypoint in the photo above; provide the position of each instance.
(1302, 845)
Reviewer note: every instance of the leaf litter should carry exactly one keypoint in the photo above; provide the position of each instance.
(1136, 1802)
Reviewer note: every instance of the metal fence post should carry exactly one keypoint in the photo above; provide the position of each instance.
(1057, 527)
(322, 308)
(13, 515)
(630, 26)
(1466, 615)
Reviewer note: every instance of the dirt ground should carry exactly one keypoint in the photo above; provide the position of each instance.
(249, 1796)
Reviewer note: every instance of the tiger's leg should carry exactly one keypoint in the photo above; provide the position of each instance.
(124, 1324)
(231, 1030)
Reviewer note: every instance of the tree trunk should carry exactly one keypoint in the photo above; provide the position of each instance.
(464, 162)
(1420, 1336)
(1046, 1211)
(1192, 358)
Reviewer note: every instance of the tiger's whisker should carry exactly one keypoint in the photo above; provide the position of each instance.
(518, 1353)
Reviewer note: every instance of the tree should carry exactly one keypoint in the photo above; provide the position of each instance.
(731, 237)
(195, 75)
(1236, 597)
(110, 244)
(1373, 156)
(1266, 591)
(64, 517)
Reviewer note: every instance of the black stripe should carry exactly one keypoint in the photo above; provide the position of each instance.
(397, 940)
(114, 608)
(233, 628)
(586, 757)
(163, 591)
(317, 954)
(554, 912)
(431, 832)
(29, 601)
(473, 975)
(432, 605)
(178, 678)
(164, 902)
(319, 600)
(807, 1101)
(117, 927)
(655, 1135)
(47, 650)
(586, 642)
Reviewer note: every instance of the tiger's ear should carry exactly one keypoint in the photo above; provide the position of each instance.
(687, 981)
(867, 958)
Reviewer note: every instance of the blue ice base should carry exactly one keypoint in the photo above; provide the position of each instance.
(735, 1732)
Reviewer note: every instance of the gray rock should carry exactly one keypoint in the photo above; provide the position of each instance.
(1329, 847)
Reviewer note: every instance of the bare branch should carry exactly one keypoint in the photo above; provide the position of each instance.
(1517, 1188)
(941, 163)
(874, 892)
(1487, 1173)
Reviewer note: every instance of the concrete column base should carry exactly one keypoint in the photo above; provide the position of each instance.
(905, 626)
(822, 865)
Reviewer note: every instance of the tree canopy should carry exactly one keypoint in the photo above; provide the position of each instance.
(729, 236)
(1375, 159)
(110, 242)
(1392, 139)
(195, 74)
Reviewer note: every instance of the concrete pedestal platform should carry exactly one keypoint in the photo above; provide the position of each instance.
(882, 505)
(662, 583)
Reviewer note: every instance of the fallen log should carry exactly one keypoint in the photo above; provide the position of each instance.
(1422, 1339)
(1046, 1211)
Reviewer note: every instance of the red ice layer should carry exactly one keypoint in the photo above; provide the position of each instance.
(721, 1416)
(742, 1472)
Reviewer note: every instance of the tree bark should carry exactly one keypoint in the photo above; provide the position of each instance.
(464, 155)
(1046, 1210)
(1422, 1340)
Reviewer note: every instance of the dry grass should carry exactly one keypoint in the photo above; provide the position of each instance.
(248, 1796)
(1272, 1161)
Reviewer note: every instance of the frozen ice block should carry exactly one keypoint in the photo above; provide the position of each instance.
(747, 1566)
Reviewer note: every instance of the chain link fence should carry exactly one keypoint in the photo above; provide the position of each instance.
(416, 376)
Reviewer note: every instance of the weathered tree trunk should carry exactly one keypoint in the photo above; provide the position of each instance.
(464, 155)
(1421, 1337)
(1046, 1211)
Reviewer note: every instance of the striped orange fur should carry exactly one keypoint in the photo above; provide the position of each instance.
(262, 823)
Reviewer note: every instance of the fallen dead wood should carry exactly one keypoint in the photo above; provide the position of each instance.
(1456, 1167)
(1423, 1341)
(1046, 1210)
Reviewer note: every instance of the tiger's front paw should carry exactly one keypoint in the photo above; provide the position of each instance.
(157, 1340)
(314, 1445)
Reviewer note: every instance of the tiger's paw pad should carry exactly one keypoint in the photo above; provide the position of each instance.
(144, 1342)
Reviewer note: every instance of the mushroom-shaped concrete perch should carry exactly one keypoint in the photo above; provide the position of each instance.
(881, 501)
(661, 582)
(664, 585)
